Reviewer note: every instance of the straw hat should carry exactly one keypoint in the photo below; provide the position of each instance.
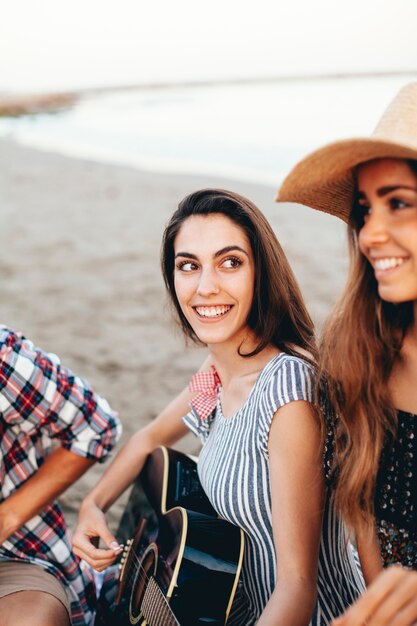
(324, 180)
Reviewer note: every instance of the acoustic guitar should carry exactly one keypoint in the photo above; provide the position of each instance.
(182, 565)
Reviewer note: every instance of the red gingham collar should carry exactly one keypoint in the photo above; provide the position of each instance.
(206, 384)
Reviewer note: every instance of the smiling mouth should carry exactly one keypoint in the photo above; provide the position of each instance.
(387, 264)
(212, 312)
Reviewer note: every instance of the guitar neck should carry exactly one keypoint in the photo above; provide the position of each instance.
(155, 608)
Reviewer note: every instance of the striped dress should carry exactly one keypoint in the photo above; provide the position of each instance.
(233, 469)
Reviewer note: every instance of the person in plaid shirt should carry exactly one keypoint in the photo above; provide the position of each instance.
(41, 402)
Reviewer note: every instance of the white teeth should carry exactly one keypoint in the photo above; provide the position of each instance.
(212, 311)
(388, 263)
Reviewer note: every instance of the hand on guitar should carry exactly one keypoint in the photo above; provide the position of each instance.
(390, 600)
(92, 527)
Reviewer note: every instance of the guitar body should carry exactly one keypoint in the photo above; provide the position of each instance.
(183, 562)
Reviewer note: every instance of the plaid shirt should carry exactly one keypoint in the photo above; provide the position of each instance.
(40, 400)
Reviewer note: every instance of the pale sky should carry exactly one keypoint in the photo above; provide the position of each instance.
(48, 44)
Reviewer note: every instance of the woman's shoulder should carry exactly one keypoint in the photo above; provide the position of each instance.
(294, 364)
(289, 377)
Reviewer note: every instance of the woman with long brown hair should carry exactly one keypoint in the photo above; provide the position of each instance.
(368, 353)
(261, 463)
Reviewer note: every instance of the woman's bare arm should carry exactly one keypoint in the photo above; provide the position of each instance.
(369, 554)
(165, 429)
(297, 492)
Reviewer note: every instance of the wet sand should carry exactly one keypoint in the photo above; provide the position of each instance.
(79, 268)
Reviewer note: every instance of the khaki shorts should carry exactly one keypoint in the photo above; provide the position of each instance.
(16, 577)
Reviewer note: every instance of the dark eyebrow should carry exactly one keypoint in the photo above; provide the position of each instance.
(224, 250)
(383, 191)
(188, 255)
(230, 249)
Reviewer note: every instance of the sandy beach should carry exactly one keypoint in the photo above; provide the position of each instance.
(79, 267)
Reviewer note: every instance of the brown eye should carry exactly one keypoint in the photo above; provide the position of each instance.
(397, 203)
(186, 266)
(231, 263)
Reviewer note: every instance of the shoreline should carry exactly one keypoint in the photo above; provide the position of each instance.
(204, 132)
(81, 277)
(158, 166)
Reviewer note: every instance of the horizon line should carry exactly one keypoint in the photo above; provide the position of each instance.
(247, 80)
(160, 85)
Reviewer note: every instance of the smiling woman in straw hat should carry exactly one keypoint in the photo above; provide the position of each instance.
(369, 351)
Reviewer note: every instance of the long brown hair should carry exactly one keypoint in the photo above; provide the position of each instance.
(278, 314)
(360, 342)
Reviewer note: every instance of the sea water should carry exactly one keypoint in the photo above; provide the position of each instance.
(253, 131)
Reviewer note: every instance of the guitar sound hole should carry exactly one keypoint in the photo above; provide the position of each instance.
(146, 569)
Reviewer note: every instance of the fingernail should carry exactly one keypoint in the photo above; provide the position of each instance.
(115, 546)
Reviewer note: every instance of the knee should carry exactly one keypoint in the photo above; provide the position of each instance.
(43, 609)
(50, 613)
(57, 616)
(49, 620)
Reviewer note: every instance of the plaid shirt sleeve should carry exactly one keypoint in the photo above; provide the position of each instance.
(38, 393)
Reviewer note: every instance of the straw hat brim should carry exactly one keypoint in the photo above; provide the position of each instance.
(325, 179)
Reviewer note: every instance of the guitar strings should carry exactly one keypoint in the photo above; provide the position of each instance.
(150, 605)
(137, 563)
(144, 577)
